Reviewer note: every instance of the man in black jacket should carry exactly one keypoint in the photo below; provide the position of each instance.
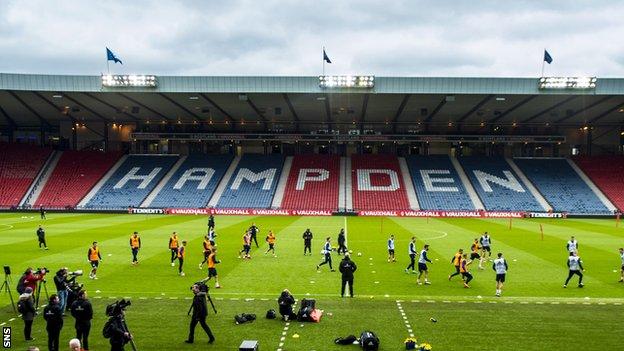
(200, 311)
(307, 242)
(60, 281)
(119, 334)
(41, 237)
(28, 311)
(53, 315)
(254, 233)
(83, 312)
(347, 267)
(286, 302)
(342, 248)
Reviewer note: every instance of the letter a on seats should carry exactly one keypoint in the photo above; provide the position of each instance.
(311, 175)
(191, 174)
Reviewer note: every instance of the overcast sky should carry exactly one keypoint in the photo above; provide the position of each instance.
(267, 37)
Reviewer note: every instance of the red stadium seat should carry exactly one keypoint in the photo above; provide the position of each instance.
(376, 193)
(607, 172)
(313, 194)
(19, 165)
(75, 174)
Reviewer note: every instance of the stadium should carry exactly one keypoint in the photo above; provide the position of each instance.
(311, 175)
(532, 161)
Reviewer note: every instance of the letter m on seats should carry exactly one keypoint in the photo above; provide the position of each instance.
(268, 175)
(510, 183)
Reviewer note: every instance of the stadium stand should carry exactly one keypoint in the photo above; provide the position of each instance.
(19, 166)
(561, 186)
(132, 182)
(205, 172)
(497, 185)
(253, 183)
(377, 183)
(437, 184)
(607, 172)
(313, 183)
(74, 175)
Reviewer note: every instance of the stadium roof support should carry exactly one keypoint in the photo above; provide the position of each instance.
(436, 110)
(612, 109)
(42, 120)
(196, 117)
(399, 111)
(229, 117)
(292, 110)
(72, 119)
(513, 108)
(7, 117)
(560, 103)
(111, 106)
(328, 112)
(363, 114)
(583, 109)
(87, 108)
(258, 112)
(144, 106)
(475, 108)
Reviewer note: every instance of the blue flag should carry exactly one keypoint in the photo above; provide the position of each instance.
(325, 57)
(111, 57)
(547, 57)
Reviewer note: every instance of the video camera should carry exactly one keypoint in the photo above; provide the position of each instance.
(202, 286)
(42, 270)
(76, 273)
(115, 308)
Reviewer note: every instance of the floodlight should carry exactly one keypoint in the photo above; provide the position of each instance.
(133, 80)
(567, 83)
(349, 81)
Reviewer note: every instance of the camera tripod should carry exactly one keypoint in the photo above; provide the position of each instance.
(209, 300)
(7, 289)
(45, 287)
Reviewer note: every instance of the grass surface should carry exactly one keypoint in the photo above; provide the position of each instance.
(535, 312)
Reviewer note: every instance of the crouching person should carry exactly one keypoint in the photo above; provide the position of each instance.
(286, 302)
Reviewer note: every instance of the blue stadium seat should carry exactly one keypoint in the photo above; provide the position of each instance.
(437, 184)
(253, 183)
(193, 193)
(561, 186)
(117, 194)
(498, 186)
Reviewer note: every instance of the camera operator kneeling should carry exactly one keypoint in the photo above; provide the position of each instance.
(119, 335)
(286, 302)
(200, 311)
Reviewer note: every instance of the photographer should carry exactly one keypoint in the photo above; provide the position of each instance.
(200, 311)
(82, 310)
(54, 317)
(286, 302)
(60, 281)
(347, 267)
(26, 306)
(30, 278)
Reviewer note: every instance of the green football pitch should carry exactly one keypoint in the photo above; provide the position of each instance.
(534, 313)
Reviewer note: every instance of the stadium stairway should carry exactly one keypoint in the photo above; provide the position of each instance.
(74, 174)
(41, 180)
(497, 185)
(409, 186)
(132, 181)
(377, 183)
(606, 172)
(313, 183)
(20, 164)
(437, 183)
(281, 185)
(253, 183)
(214, 200)
(346, 184)
(561, 185)
(190, 183)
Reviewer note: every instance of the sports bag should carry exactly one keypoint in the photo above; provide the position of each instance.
(369, 341)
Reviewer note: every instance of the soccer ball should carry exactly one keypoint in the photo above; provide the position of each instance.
(350, 251)
(359, 254)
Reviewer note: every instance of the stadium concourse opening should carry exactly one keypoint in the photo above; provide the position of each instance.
(468, 147)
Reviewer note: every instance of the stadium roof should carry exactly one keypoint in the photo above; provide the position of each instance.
(34, 100)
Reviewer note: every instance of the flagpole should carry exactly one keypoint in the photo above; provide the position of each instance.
(108, 66)
(543, 64)
(323, 61)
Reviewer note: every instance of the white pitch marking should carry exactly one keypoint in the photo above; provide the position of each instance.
(3, 323)
(11, 320)
(143, 298)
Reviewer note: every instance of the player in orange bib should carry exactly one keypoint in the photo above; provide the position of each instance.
(181, 254)
(94, 257)
(212, 269)
(135, 245)
(271, 240)
(174, 244)
(208, 245)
